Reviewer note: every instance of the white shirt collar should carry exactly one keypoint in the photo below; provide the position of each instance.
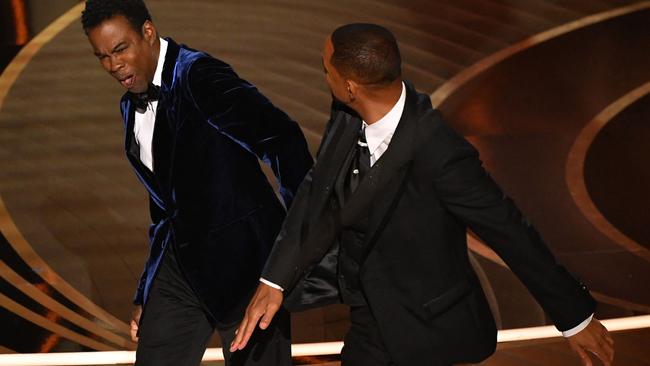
(157, 76)
(379, 131)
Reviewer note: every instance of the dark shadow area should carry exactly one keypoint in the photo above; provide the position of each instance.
(617, 174)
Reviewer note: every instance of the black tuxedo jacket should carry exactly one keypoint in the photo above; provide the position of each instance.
(208, 194)
(420, 198)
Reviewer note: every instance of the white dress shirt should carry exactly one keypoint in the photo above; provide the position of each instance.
(378, 137)
(146, 119)
(379, 134)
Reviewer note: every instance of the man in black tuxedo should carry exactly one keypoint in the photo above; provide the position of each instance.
(194, 134)
(380, 222)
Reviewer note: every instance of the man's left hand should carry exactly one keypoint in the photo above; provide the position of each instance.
(262, 307)
(594, 339)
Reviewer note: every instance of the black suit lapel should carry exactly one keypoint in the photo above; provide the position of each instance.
(133, 153)
(157, 183)
(333, 158)
(130, 145)
(379, 187)
(164, 136)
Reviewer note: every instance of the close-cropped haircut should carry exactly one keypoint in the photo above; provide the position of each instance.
(98, 11)
(366, 53)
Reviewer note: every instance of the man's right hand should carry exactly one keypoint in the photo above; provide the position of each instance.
(593, 339)
(264, 304)
(135, 322)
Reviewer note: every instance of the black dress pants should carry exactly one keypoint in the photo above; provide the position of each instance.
(175, 328)
(363, 345)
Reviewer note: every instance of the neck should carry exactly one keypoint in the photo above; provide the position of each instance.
(374, 104)
(156, 49)
(155, 53)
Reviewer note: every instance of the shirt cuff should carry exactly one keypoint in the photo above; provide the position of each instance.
(578, 328)
(269, 283)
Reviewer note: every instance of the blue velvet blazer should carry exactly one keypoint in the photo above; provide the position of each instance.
(208, 194)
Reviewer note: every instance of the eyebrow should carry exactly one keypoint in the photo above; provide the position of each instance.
(118, 46)
(99, 54)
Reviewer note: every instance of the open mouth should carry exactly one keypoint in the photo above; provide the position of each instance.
(127, 81)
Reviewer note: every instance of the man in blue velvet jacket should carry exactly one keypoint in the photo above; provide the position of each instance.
(194, 134)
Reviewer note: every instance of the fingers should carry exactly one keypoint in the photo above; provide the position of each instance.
(245, 330)
(584, 357)
(605, 346)
(248, 330)
(265, 303)
(247, 326)
(604, 350)
(239, 334)
(601, 356)
(134, 331)
(594, 339)
(271, 309)
(135, 321)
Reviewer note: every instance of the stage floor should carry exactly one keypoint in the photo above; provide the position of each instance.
(73, 216)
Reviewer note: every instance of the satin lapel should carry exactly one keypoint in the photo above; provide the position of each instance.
(164, 136)
(377, 190)
(328, 166)
(133, 154)
(130, 145)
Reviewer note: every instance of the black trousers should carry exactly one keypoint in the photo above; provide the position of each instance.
(175, 328)
(363, 344)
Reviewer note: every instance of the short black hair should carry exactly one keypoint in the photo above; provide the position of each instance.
(367, 53)
(98, 11)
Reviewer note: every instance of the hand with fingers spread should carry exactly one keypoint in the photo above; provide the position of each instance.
(135, 322)
(594, 339)
(262, 307)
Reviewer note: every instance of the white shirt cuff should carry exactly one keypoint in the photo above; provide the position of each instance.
(578, 328)
(269, 283)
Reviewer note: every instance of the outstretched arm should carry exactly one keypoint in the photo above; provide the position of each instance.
(281, 268)
(471, 195)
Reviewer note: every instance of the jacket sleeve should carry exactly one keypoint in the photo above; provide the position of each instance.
(238, 110)
(282, 266)
(471, 195)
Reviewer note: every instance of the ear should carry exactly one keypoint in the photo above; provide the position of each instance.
(352, 88)
(149, 32)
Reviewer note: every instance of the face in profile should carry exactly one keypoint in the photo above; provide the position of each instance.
(336, 82)
(126, 54)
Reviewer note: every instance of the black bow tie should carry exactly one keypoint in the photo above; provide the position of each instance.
(140, 100)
